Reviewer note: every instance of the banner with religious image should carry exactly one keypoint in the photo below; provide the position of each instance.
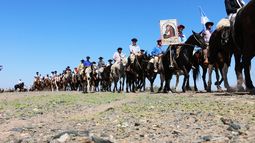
(169, 32)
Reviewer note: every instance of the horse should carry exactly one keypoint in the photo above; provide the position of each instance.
(19, 87)
(118, 74)
(243, 35)
(149, 72)
(37, 85)
(183, 61)
(106, 79)
(91, 78)
(220, 53)
(135, 74)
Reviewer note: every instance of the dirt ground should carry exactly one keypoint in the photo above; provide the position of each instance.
(54, 117)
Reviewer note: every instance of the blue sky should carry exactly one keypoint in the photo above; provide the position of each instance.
(47, 35)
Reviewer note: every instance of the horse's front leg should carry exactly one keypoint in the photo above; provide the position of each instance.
(177, 81)
(186, 76)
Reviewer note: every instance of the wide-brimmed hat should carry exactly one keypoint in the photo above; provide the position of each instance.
(88, 57)
(142, 50)
(110, 60)
(209, 23)
(181, 26)
(119, 48)
(134, 40)
(159, 40)
(100, 58)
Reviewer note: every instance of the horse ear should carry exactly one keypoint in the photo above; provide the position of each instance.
(194, 32)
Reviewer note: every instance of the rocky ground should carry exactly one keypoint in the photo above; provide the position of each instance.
(126, 118)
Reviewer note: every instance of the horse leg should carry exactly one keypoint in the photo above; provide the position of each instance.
(210, 68)
(238, 70)
(177, 81)
(195, 80)
(225, 77)
(248, 81)
(162, 79)
(204, 77)
(187, 83)
(186, 76)
(217, 78)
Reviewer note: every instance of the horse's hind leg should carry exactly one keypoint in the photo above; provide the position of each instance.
(217, 79)
(238, 70)
(210, 68)
(204, 77)
(248, 81)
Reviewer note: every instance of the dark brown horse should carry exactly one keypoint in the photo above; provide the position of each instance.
(184, 61)
(243, 34)
(220, 53)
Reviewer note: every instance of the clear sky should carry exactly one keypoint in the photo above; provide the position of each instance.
(47, 35)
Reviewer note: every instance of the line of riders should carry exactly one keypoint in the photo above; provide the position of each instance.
(214, 52)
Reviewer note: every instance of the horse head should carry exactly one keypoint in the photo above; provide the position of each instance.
(198, 40)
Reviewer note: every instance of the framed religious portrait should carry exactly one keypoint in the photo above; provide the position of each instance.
(169, 32)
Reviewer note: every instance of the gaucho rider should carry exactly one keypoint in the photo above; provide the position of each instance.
(157, 53)
(134, 51)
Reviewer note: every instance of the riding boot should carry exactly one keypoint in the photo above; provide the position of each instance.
(205, 52)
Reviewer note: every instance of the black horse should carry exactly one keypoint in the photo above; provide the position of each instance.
(243, 34)
(19, 87)
(184, 60)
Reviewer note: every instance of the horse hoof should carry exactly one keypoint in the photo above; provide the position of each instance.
(230, 89)
(219, 90)
(251, 91)
(240, 89)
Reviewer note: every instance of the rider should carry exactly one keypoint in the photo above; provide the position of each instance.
(157, 53)
(20, 81)
(206, 33)
(81, 67)
(87, 63)
(101, 63)
(182, 39)
(134, 50)
(176, 49)
(232, 7)
(117, 57)
(109, 62)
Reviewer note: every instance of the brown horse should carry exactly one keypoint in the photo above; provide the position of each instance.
(243, 34)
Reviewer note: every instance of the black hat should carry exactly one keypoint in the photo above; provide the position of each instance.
(88, 57)
(134, 40)
(209, 23)
(100, 58)
(159, 40)
(82, 60)
(142, 50)
(119, 48)
(110, 60)
(181, 26)
(93, 62)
